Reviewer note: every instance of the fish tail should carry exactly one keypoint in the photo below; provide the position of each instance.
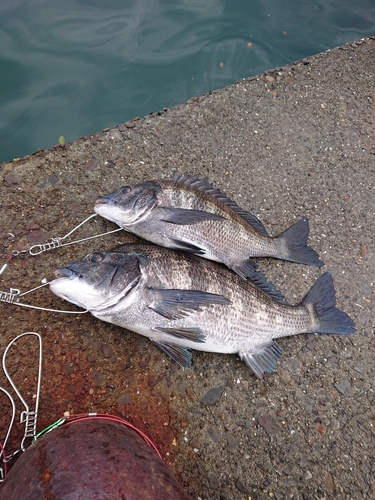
(294, 244)
(323, 298)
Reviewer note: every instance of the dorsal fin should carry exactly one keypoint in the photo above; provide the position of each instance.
(205, 186)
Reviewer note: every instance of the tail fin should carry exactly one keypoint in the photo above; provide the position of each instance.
(295, 244)
(322, 297)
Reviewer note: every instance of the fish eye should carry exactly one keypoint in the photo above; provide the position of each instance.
(95, 257)
(125, 190)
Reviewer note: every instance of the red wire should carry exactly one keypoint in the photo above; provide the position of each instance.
(74, 418)
(9, 258)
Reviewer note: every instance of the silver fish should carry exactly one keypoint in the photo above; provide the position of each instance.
(182, 302)
(189, 214)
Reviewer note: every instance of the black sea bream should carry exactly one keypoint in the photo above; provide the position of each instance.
(189, 214)
(182, 302)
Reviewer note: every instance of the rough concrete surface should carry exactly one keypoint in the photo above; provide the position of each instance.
(296, 141)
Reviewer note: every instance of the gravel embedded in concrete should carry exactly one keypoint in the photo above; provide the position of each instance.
(296, 141)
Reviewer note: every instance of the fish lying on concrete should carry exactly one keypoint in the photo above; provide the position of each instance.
(182, 302)
(188, 213)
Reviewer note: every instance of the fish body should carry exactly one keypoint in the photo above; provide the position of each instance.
(189, 214)
(182, 302)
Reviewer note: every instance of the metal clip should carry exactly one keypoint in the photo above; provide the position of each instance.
(9, 296)
(50, 245)
(57, 242)
(44, 247)
(29, 418)
(13, 297)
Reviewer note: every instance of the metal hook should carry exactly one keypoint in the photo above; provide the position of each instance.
(29, 418)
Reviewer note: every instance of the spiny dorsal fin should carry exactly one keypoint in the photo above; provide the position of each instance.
(205, 186)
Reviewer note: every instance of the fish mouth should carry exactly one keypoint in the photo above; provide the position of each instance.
(122, 215)
(102, 201)
(65, 272)
(59, 286)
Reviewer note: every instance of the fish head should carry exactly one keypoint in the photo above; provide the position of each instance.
(99, 280)
(128, 204)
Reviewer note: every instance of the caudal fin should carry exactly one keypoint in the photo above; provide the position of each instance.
(294, 243)
(322, 297)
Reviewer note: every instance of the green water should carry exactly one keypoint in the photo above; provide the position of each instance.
(74, 67)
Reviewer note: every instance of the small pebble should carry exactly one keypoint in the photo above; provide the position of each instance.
(53, 179)
(107, 351)
(124, 399)
(212, 395)
(344, 387)
(307, 475)
(240, 486)
(268, 424)
(360, 368)
(12, 179)
(213, 482)
(232, 441)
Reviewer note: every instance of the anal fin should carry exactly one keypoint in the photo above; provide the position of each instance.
(263, 360)
(180, 354)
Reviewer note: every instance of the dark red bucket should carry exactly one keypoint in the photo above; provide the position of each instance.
(91, 458)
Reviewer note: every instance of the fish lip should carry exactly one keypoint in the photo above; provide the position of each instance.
(104, 200)
(65, 272)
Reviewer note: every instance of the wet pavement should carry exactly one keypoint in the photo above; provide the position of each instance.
(293, 142)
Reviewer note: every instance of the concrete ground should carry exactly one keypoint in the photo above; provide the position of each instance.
(296, 141)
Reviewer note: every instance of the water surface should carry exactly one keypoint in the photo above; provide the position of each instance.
(75, 67)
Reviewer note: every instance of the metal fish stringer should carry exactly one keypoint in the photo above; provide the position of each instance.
(14, 294)
(3, 458)
(28, 417)
(58, 241)
(13, 297)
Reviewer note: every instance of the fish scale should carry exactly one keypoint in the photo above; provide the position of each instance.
(189, 214)
(182, 302)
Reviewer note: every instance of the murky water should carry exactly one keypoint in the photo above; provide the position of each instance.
(75, 67)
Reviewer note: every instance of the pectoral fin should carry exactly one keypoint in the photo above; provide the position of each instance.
(185, 247)
(263, 360)
(192, 334)
(181, 355)
(185, 217)
(175, 304)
